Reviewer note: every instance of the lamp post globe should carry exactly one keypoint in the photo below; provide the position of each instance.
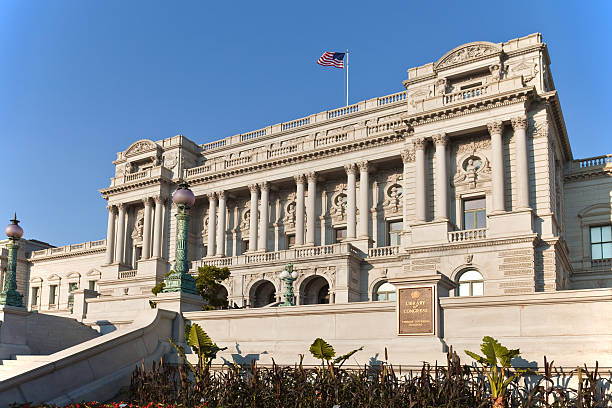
(183, 196)
(13, 230)
(9, 295)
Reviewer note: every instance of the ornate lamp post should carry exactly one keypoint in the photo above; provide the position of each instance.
(179, 279)
(288, 276)
(9, 295)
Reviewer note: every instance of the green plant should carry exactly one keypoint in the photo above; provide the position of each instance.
(324, 351)
(161, 285)
(499, 377)
(208, 283)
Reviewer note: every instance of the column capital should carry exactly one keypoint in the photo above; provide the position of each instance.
(299, 179)
(111, 208)
(264, 185)
(440, 139)
(211, 196)
(364, 166)
(312, 176)
(419, 143)
(253, 188)
(350, 168)
(519, 122)
(496, 127)
(159, 199)
(146, 201)
(408, 155)
(121, 207)
(221, 194)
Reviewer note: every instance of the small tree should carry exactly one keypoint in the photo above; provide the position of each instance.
(208, 283)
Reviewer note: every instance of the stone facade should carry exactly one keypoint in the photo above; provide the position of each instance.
(363, 194)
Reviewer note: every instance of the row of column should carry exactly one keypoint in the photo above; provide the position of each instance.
(116, 240)
(440, 141)
(258, 231)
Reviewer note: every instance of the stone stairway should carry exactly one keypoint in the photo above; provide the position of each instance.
(9, 368)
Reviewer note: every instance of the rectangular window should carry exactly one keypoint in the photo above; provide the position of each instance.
(290, 240)
(395, 229)
(244, 246)
(35, 293)
(601, 242)
(72, 286)
(53, 295)
(93, 285)
(474, 213)
(340, 234)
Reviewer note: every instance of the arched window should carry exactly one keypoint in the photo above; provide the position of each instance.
(386, 291)
(470, 283)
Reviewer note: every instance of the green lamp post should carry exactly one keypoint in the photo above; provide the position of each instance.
(9, 295)
(288, 276)
(179, 279)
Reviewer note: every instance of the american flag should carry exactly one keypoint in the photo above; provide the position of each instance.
(332, 59)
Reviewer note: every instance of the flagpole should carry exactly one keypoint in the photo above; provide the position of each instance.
(347, 72)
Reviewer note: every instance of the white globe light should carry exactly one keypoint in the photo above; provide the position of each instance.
(284, 274)
(294, 274)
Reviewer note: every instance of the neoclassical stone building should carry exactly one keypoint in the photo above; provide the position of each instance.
(468, 172)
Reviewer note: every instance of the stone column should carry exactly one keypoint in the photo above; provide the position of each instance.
(497, 164)
(364, 192)
(221, 227)
(299, 210)
(519, 124)
(157, 230)
(253, 220)
(310, 215)
(441, 209)
(407, 158)
(120, 233)
(146, 233)
(264, 187)
(419, 154)
(212, 223)
(351, 198)
(110, 235)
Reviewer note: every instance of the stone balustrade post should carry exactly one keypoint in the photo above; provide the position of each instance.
(253, 218)
(299, 210)
(120, 233)
(146, 233)
(519, 124)
(310, 216)
(264, 187)
(212, 224)
(110, 234)
(351, 198)
(497, 163)
(221, 227)
(364, 194)
(419, 153)
(157, 229)
(441, 208)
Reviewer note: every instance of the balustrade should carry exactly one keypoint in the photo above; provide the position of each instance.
(237, 162)
(252, 135)
(295, 123)
(331, 139)
(126, 274)
(383, 251)
(68, 249)
(598, 161)
(466, 94)
(467, 235)
(137, 176)
(601, 263)
(342, 111)
(384, 127)
(282, 151)
(396, 97)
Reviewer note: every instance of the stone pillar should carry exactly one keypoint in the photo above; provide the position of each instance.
(253, 221)
(110, 235)
(264, 187)
(146, 233)
(519, 124)
(157, 228)
(310, 215)
(441, 209)
(419, 154)
(351, 198)
(221, 227)
(497, 164)
(120, 233)
(364, 194)
(407, 158)
(299, 210)
(212, 223)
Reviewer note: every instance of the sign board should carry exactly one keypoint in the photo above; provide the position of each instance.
(416, 310)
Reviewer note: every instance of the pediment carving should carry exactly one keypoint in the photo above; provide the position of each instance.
(139, 147)
(468, 52)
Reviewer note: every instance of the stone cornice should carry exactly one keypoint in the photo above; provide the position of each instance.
(587, 174)
(488, 242)
(135, 185)
(552, 103)
(92, 251)
(471, 106)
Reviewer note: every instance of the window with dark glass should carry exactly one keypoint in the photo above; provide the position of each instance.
(53, 295)
(340, 234)
(35, 292)
(601, 242)
(93, 284)
(244, 246)
(395, 229)
(290, 240)
(474, 213)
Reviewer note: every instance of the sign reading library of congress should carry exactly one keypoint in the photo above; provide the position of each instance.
(416, 311)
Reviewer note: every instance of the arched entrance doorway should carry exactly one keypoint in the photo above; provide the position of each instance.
(314, 290)
(262, 294)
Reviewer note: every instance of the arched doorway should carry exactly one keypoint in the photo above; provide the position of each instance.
(262, 294)
(314, 290)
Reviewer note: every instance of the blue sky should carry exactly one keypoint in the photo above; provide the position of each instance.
(81, 79)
